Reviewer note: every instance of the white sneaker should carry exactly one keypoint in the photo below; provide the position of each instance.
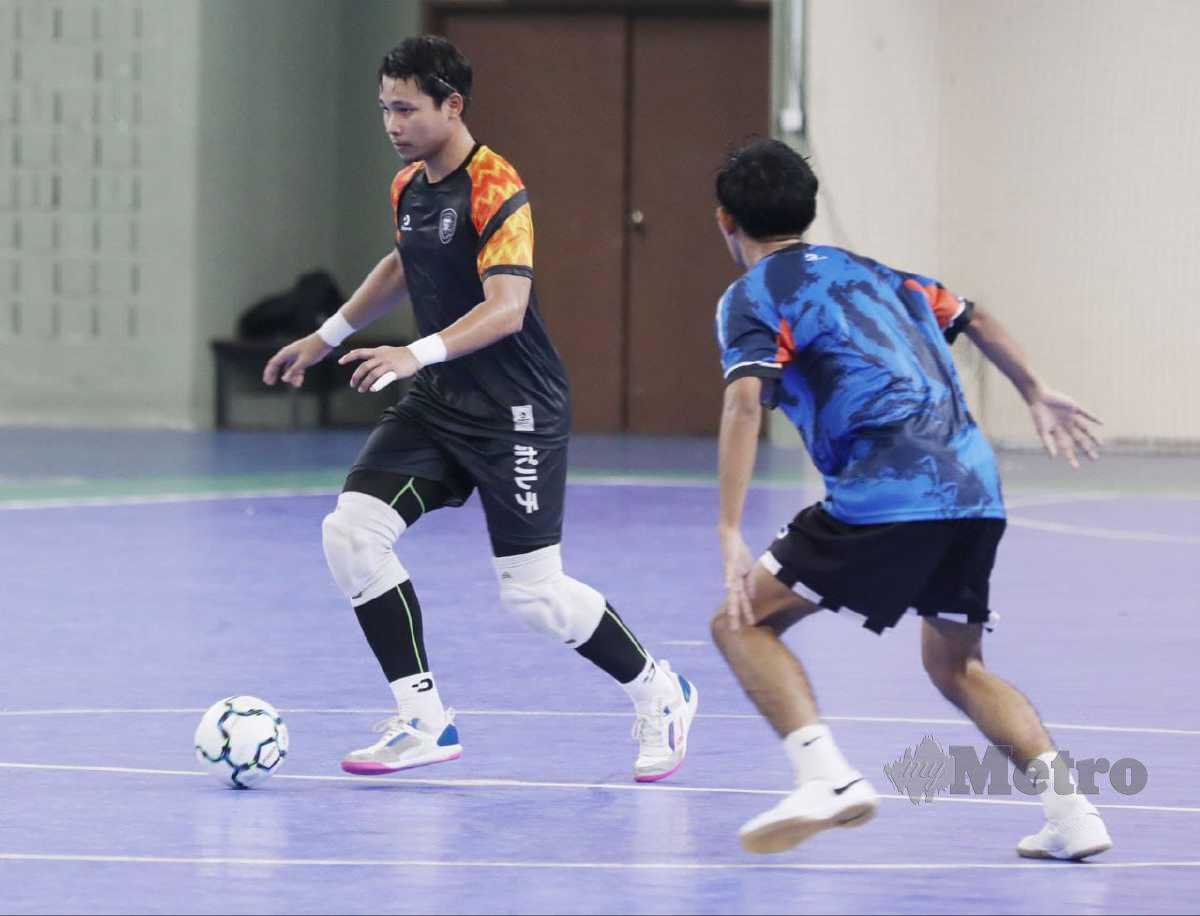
(404, 745)
(662, 735)
(1076, 837)
(815, 806)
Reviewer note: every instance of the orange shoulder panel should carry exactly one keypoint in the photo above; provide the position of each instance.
(400, 182)
(945, 304)
(493, 181)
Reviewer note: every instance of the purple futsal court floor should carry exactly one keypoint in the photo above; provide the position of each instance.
(132, 601)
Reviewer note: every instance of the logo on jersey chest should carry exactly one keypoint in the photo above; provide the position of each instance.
(406, 223)
(447, 223)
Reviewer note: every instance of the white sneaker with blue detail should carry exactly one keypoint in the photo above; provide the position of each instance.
(662, 733)
(405, 744)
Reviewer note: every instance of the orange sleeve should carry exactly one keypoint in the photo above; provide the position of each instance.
(399, 183)
(502, 217)
(510, 248)
(945, 305)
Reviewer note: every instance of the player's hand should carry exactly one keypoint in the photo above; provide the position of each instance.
(1064, 426)
(739, 589)
(378, 362)
(293, 359)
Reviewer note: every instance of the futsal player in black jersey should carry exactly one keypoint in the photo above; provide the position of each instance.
(488, 409)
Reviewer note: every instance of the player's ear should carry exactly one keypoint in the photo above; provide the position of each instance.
(728, 227)
(725, 221)
(454, 105)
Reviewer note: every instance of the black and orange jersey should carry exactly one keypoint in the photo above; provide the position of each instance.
(452, 235)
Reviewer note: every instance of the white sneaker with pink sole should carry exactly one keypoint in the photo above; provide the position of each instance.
(404, 745)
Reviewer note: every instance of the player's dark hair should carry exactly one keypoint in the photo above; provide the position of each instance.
(768, 189)
(439, 68)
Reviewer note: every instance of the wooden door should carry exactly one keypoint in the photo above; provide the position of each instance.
(617, 120)
(698, 87)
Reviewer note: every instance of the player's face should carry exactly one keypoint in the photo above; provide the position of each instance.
(416, 126)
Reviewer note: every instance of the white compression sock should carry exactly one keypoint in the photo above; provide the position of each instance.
(814, 755)
(651, 687)
(417, 698)
(1057, 804)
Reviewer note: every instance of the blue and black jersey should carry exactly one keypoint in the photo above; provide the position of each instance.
(856, 354)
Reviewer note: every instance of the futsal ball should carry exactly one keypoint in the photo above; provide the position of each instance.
(241, 741)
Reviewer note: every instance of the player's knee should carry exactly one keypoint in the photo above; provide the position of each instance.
(778, 621)
(357, 537)
(719, 626)
(535, 590)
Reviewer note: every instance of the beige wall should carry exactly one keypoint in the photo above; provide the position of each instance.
(1039, 157)
(1070, 198)
(294, 168)
(369, 28)
(164, 163)
(267, 161)
(872, 110)
(98, 126)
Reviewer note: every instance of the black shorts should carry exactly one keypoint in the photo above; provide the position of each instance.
(521, 478)
(938, 568)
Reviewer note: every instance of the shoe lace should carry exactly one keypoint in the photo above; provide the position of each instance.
(649, 728)
(393, 726)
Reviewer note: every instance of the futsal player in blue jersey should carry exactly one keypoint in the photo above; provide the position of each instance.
(856, 354)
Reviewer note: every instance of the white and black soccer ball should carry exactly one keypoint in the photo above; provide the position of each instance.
(241, 741)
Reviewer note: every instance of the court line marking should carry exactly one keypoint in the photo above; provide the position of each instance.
(1111, 534)
(1017, 501)
(880, 720)
(102, 502)
(1048, 867)
(107, 502)
(450, 783)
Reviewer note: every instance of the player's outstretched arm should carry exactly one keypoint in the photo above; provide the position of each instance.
(1061, 423)
(741, 419)
(501, 313)
(376, 295)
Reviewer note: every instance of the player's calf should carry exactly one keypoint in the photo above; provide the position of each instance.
(358, 538)
(534, 588)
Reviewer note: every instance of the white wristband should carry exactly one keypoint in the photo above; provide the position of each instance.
(335, 329)
(428, 350)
